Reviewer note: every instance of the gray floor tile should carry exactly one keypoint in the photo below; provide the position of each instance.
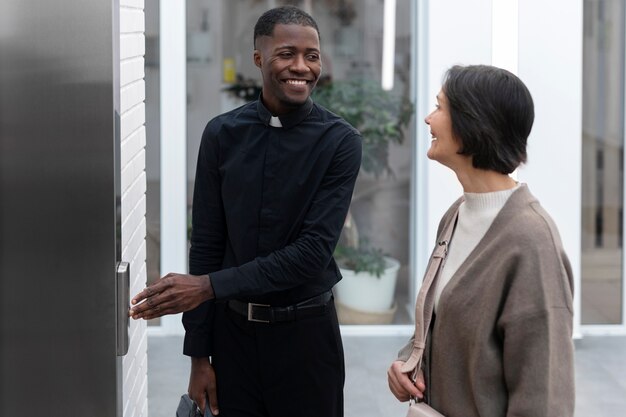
(600, 376)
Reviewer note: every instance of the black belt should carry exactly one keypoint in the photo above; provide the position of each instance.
(264, 313)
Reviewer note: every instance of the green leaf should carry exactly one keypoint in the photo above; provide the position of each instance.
(381, 116)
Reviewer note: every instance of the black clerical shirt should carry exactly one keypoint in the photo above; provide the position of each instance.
(268, 207)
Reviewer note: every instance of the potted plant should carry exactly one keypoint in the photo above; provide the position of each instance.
(366, 292)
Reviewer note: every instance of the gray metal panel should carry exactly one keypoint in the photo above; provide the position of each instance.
(57, 209)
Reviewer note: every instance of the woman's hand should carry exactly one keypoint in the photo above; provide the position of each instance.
(401, 385)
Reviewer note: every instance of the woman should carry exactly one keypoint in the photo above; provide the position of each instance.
(500, 343)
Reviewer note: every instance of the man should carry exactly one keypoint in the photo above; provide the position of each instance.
(273, 185)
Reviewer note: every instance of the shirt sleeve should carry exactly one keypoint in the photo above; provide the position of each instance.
(309, 255)
(208, 239)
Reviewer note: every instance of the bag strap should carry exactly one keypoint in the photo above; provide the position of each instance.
(426, 297)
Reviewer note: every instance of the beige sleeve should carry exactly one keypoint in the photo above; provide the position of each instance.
(405, 352)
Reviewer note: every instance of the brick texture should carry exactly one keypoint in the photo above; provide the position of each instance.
(133, 176)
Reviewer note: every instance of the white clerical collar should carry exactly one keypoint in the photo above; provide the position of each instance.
(275, 122)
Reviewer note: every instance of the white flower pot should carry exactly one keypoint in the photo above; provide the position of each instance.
(367, 292)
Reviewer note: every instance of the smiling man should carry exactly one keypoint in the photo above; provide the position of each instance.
(289, 58)
(273, 185)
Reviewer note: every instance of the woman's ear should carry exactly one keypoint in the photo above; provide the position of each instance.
(257, 58)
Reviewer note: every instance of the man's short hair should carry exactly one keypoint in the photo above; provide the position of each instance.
(492, 113)
(285, 15)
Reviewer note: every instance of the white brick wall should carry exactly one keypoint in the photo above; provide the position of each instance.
(133, 164)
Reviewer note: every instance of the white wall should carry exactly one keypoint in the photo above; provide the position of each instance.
(133, 163)
(550, 63)
(459, 32)
(173, 86)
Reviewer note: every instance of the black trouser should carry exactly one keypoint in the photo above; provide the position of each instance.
(290, 369)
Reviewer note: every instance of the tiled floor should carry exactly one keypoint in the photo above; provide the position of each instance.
(600, 376)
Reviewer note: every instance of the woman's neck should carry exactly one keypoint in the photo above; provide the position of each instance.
(476, 180)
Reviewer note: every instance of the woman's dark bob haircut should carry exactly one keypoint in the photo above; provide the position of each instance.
(492, 113)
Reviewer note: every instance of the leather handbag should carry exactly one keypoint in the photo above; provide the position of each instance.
(423, 314)
(422, 410)
(188, 408)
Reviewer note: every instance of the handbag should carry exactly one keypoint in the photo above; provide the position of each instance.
(423, 314)
(422, 410)
(188, 408)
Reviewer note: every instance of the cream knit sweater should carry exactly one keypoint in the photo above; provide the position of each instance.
(476, 214)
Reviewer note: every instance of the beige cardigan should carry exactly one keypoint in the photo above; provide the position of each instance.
(501, 343)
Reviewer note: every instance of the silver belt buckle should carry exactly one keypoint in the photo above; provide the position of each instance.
(250, 318)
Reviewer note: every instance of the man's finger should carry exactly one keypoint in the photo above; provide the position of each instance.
(202, 403)
(158, 306)
(145, 293)
(151, 306)
(155, 288)
(213, 392)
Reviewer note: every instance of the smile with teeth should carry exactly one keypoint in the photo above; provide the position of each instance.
(296, 82)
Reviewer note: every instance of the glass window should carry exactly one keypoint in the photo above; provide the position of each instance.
(153, 147)
(221, 76)
(603, 149)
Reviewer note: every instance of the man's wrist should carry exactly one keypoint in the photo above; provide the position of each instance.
(207, 289)
(201, 360)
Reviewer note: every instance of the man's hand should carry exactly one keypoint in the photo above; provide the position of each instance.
(174, 293)
(202, 384)
(401, 385)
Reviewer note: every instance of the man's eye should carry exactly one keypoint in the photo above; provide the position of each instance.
(313, 57)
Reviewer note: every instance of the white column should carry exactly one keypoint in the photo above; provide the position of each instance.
(459, 32)
(389, 45)
(504, 37)
(173, 144)
(550, 63)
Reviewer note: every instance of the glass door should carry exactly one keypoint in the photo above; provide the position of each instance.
(602, 291)
(366, 56)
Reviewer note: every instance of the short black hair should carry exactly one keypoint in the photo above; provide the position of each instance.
(284, 15)
(492, 114)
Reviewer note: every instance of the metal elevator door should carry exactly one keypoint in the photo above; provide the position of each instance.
(58, 222)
